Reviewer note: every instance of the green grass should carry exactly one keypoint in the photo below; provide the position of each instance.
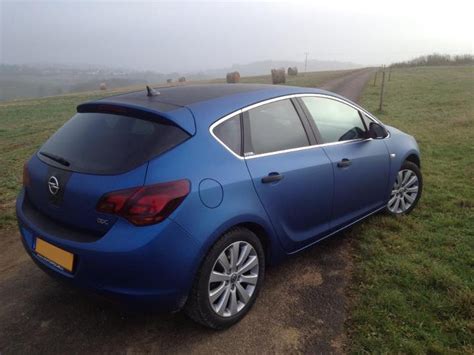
(26, 124)
(413, 276)
(413, 286)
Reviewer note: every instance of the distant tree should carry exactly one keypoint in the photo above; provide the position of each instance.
(436, 59)
(464, 59)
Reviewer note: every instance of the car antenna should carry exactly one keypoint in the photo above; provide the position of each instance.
(151, 92)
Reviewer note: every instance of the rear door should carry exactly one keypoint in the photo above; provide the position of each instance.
(360, 165)
(292, 177)
(92, 154)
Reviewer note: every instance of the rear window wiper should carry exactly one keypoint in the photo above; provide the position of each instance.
(56, 158)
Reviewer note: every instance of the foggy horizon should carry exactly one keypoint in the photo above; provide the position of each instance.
(190, 36)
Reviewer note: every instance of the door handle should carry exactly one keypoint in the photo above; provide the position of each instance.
(272, 177)
(344, 163)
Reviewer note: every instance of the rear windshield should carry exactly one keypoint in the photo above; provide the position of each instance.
(102, 143)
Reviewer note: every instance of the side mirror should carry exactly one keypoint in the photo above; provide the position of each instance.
(376, 131)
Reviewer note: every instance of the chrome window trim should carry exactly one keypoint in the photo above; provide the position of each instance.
(285, 97)
(306, 147)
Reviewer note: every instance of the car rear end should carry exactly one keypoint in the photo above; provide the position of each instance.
(87, 218)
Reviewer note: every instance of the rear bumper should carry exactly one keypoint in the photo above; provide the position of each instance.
(144, 267)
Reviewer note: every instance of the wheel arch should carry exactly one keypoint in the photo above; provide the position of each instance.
(263, 230)
(261, 234)
(414, 158)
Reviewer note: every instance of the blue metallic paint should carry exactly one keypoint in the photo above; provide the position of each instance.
(211, 193)
(156, 264)
(127, 262)
(403, 146)
(299, 205)
(361, 187)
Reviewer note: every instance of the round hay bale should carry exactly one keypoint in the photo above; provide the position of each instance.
(292, 71)
(233, 77)
(278, 76)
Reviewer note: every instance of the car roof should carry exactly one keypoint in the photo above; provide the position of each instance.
(206, 102)
(184, 95)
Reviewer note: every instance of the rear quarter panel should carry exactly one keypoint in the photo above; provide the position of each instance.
(216, 174)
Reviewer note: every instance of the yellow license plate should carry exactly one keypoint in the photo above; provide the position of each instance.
(58, 257)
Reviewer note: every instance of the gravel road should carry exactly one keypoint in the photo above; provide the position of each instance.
(302, 307)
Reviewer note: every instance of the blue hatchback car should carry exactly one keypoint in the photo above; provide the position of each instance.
(178, 199)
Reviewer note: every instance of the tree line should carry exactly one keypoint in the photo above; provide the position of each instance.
(436, 59)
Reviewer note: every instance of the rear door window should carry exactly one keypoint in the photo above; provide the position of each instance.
(274, 127)
(102, 143)
(335, 120)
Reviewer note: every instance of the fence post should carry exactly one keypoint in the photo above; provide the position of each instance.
(381, 91)
(375, 77)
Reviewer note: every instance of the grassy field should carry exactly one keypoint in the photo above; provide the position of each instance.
(413, 276)
(26, 124)
(413, 286)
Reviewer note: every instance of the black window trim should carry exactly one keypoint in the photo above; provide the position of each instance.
(246, 134)
(310, 120)
(304, 120)
(361, 116)
(291, 96)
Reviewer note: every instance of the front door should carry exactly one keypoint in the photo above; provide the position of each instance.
(360, 165)
(360, 178)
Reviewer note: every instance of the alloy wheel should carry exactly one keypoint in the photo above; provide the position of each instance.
(404, 192)
(233, 279)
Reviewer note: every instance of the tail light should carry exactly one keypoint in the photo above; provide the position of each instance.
(145, 205)
(26, 175)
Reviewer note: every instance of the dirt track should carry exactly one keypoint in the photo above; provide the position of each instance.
(350, 86)
(301, 307)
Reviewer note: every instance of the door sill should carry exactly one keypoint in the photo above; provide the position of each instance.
(337, 230)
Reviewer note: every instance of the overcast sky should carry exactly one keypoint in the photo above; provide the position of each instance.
(188, 36)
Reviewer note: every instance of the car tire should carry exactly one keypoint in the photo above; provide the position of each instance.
(409, 179)
(202, 306)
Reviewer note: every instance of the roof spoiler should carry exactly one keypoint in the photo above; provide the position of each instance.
(181, 117)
